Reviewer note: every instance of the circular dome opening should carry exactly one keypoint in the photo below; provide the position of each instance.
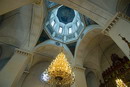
(65, 14)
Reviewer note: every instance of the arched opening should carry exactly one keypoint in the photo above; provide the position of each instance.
(94, 51)
(44, 53)
(91, 80)
(83, 44)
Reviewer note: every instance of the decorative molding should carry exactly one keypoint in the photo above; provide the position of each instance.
(111, 24)
(38, 2)
(115, 19)
(79, 68)
(22, 52)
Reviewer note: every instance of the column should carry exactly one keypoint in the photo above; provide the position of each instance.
(119, 30)
(80, 78)
(13, 70)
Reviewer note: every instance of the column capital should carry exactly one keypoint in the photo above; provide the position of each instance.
(23, 52)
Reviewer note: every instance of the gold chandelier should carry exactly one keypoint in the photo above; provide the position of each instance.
(120, 83)
(60, 72)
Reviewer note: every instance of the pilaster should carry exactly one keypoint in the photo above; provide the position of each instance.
(13, 70)
(80, 78)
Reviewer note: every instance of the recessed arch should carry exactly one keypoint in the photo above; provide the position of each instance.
(91, 80)
(89, 33)
(49, 49)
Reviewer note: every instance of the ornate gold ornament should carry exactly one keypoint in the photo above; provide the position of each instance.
(59, 72)
(120, 83)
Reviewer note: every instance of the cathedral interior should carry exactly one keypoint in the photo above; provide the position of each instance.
(93, 35)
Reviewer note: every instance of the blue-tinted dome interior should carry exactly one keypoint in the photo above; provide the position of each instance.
(65, 14)
(64, 24)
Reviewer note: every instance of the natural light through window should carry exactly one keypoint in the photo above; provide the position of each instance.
(70, 30)
(60, 30)
(45, 77)
(52, 23)
(78, 23)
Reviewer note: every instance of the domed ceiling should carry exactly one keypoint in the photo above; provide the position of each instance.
(64, 24)
(65, 14)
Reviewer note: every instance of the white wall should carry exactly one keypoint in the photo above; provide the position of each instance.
(33, 78)
(121, 27)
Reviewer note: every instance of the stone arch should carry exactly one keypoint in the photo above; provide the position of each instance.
(90, 48)
(89, 33)
(40, 63)
(91, 79)
(49, 50)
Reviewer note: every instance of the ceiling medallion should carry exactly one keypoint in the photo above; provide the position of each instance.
(59, 72)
